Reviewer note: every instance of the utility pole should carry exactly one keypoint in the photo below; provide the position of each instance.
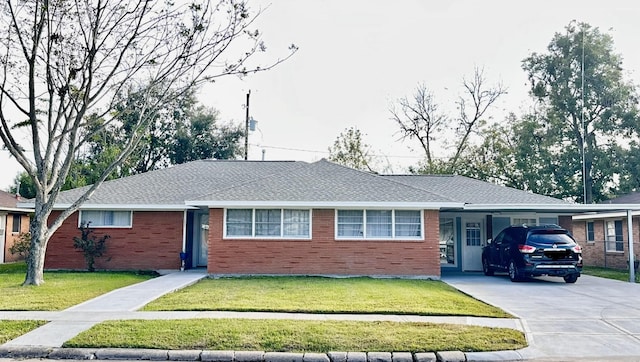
(246, 129)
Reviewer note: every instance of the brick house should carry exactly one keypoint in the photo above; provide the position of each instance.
(13, 222)
(296, 218)
(604, 235)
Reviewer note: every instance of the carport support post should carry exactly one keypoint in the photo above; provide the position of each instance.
(632, 266)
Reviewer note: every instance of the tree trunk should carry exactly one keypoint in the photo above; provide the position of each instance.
(35, 261)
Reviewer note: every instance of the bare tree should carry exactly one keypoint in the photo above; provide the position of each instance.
(419, 118)
(469, 122)
(67, 62)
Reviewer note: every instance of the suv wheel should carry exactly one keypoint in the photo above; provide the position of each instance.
(571, 278)
(486, 268)
(514, 275)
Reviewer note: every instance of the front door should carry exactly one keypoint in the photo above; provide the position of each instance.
(472, 245)
(203, 244)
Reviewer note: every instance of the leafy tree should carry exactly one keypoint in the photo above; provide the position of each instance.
(582, 122)
(23, 185)
(201, 137)
(67, 64)
(419, 118)
(350, 150)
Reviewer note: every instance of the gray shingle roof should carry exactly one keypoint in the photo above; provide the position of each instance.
(471, 191)
(632, 198)
(219, 182)
(174, 185)
(324, 181)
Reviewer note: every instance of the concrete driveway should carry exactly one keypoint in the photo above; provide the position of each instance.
(595, 318)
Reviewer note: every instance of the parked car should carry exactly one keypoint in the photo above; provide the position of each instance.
(526, 251)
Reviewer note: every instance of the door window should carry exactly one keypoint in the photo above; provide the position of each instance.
(473, 234)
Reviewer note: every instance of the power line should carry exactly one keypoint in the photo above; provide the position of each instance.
(327, 152)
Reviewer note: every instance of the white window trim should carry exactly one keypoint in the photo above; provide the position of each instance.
(393, 226)
(614, 242)
(129, 226)
(266, 237)
(586, 231)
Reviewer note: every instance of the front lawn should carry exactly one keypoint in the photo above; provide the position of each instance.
(325, 295)
(60, 290)
(296, 336)
(13, 329)
(608, 273)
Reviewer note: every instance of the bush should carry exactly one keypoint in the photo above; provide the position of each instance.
(91, 246)
(22, 246)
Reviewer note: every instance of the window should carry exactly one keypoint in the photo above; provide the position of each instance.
(268, 223)
(473, 233)
(17, 218)
(105, 218)
(447, 244)
(614, 240)
(591, 235)
(379, 224)
(524, 221)
(239, 222)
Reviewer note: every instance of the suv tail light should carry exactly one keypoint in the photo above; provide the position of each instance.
(526, 249)
(577, 249)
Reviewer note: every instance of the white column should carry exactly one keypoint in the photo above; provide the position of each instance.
(632, 270)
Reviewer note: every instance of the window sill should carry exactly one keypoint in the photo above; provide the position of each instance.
(398, 240)
(615, 252)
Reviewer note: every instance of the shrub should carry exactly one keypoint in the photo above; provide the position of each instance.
(92, 247)
(22, 246)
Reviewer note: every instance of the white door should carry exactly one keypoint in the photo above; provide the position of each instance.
(472, 245)
(204, 240)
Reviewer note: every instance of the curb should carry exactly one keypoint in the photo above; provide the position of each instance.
(29, 352)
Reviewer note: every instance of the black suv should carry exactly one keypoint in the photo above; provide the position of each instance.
(525, 251)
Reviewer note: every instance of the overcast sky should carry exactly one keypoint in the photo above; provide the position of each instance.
(356, 58)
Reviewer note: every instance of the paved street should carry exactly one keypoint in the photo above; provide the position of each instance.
(595, 318)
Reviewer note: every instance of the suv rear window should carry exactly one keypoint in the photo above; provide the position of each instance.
(550, 238)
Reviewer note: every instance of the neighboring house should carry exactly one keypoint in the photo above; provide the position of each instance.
(13, 222)
(296, 218)
(604, 235)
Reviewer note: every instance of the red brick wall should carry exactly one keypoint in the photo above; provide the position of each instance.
(154, 242)
(594, 252)
(323, 255)
(11, 238)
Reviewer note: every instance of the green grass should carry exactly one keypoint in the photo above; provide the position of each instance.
(13, 329)
(60, 290)
(296, 336)
(608, 273)
(325, 295)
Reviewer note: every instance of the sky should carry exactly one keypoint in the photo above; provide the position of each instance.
(357, 58)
